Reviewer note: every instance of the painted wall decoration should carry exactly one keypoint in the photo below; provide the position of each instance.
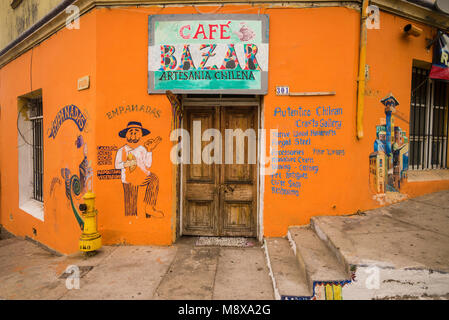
(134, 108)
(54, 182)
(389, 161)
(78, 184)
(70, 112)
(72, 184)
(104, 155)
(215, 53)
(79, 141)
(75, 185)
(329, 290)
(134, 161)
(303, 143)
(109, 174)
(325, 290)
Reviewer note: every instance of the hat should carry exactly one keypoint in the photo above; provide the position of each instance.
(133, 124)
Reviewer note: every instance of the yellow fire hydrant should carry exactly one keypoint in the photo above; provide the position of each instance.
(90, 239)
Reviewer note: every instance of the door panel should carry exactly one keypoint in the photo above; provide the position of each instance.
(238, 181)
(220, 199)
(201, 201)
(200, 172)
(237, 219)
(199, 218)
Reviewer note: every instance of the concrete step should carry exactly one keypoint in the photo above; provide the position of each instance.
(394, 251)
(315, 259)
(288, 280)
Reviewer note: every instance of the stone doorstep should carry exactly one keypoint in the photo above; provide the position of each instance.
(299, 262)
(317, 261)
(327, 240)
(286, 275)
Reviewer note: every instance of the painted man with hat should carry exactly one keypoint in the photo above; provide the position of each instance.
(135, 160)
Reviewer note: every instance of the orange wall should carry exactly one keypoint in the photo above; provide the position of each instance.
(56, 65)
(342, 184)
(122, 59)
(310, 50)
(317, 51)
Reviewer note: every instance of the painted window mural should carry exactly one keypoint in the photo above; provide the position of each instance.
(218, 53)
(389, 161)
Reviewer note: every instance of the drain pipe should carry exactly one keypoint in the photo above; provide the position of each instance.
(361, 76)
(53, 13)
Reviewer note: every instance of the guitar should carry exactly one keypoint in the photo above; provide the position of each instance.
(130, 161)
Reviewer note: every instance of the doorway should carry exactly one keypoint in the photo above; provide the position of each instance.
(219, 197)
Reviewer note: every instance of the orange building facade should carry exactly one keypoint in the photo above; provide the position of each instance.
(94, 85)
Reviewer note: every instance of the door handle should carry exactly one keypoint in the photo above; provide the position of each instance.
(220, 188)
(225, 188)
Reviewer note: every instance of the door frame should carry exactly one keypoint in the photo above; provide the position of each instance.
(198, 100)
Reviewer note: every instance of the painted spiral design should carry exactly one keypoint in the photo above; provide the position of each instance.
(76, 185)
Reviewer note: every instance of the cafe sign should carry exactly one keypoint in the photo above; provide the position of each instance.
(208, 53)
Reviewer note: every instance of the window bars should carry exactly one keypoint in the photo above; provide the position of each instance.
(428, 122)
(36, 116)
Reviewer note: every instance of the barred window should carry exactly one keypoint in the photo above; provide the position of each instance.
(35, 106)
(428, 122)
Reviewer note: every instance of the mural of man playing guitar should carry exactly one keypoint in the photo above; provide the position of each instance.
(134, 160)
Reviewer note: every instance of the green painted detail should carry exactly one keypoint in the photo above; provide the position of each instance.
(76, 187)
(72, 183)
(207, 80)
(77, 215)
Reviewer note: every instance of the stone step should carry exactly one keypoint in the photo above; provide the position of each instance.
(288, 280)
(396, 250)
(315, 259)
(329, 237)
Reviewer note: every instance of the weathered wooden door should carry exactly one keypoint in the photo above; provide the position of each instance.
(221, 199)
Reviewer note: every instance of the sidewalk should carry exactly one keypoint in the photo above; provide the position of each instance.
(182, 271)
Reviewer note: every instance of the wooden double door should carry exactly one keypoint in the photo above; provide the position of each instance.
(220, 199)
